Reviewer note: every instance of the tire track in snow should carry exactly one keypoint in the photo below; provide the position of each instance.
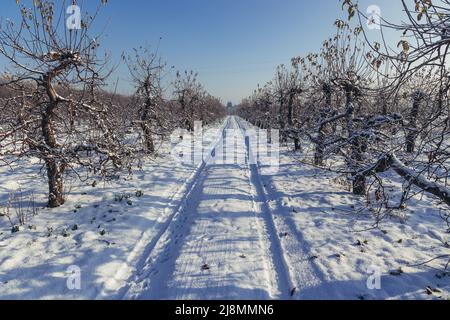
(138, 257)
(298, 264)
(220, 229)
(280, 263)
(213, 282)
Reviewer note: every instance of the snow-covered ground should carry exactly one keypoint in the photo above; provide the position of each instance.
(218, 247)
(103, 230)
(218, 231)
(329, 254)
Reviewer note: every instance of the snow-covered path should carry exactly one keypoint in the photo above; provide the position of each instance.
(219, 231)
(222, 244)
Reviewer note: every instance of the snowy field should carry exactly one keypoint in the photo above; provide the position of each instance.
(217, 231)
(329, 254)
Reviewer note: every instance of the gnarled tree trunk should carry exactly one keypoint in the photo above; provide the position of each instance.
(320, 147)
(412, 126)
(148, 137)
(297, 146)
(359, 181)
(55, 167)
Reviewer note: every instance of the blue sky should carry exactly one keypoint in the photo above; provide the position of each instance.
(233, 44)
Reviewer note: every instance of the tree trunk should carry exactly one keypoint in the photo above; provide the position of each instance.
(55, 169)
(384, 104)
(359, 181)
(319, 153)
(73, 115)
(55, 184)
(359, 185)
(320, 148)
(281, 122)
(148, 138)
(297, 145)
(412, 127)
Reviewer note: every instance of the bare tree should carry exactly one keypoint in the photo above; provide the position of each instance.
(146, 70)
(188, 93)
(288, 85)
(55, 113)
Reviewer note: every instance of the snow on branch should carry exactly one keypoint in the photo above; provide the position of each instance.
(390, 161)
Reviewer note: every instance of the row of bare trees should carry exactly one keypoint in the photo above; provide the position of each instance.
(364, 108)
(54, 107)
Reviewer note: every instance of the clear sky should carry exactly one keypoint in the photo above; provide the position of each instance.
(233, 44)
